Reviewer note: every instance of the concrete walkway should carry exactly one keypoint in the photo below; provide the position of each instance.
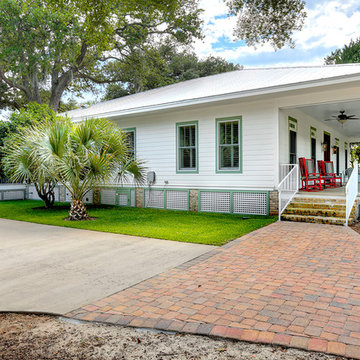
(289, 284)
(55, 269)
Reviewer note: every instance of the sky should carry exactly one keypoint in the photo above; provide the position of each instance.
(329, 25)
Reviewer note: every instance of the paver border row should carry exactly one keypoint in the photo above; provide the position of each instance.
(219, 331)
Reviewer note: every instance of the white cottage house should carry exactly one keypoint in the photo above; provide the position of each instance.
(224, 143)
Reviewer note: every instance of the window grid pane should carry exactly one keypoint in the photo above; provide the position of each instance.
(229, 149)
(187, 147)
(130, 140)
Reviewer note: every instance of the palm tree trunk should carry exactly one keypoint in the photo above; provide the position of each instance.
(46, 193)
(78, 211)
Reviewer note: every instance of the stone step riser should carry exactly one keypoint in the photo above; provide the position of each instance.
(309, 208)
(320, 200)
(315, 212)
(315, 219)
(303, 205)
(318, 210)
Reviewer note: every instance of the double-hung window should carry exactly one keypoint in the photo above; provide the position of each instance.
(187, 147)
(229, 145)
(130, 138)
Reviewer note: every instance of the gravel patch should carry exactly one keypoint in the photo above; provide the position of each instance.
(25, 337)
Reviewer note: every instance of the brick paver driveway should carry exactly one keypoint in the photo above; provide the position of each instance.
(288, 283)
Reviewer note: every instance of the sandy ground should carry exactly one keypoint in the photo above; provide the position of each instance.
(25, 337)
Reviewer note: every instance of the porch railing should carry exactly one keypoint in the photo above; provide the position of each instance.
(285, 169)
(351, 192)
(288, 187)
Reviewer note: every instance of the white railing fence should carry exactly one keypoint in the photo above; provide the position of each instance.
(351, 192)
(288, 187)
(285, 169)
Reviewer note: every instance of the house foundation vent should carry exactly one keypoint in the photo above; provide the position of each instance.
(177, 200)
(154, 199)
(123, 199)
(212, 201)
(108, 197)
(118, 196)
(234, 202)
(13, 195)
(250, 203)
(172, 199)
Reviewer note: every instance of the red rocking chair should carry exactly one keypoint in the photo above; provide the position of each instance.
(310, 180)
(326, 169)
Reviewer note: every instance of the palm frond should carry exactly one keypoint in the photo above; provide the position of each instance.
(80, 156)
(132, 169)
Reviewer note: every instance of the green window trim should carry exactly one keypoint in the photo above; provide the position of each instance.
(179, 153)
(239, 169)
(292, 124)
(313, 132)
(132, 130)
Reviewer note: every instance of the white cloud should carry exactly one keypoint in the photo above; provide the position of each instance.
(329, 25)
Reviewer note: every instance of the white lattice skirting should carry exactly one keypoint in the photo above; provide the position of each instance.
(236, 202)
(118, 196)
(166, 199)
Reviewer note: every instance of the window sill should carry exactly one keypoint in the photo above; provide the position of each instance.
(229, 171)
(183, 171)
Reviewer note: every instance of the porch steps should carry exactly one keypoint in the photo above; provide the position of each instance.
(318, 210)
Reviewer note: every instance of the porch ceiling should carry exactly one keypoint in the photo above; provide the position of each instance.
(320, 112)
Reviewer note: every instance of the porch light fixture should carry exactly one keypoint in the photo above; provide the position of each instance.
(334, 149)
(323, 146)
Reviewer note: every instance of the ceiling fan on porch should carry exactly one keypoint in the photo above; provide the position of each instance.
(342, 117)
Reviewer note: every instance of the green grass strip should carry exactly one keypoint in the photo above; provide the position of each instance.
(192, 227)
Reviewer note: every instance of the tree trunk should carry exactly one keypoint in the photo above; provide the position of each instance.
(58, 89)
(48, 200)
(78, 211)
(46, 193)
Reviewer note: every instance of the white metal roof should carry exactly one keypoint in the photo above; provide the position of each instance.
(235, 84)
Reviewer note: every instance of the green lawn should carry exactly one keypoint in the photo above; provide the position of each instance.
(203, 228)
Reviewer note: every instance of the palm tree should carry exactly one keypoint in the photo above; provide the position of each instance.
(82, 156)
(20, 166)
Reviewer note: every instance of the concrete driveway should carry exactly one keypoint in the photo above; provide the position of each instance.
(55, 269)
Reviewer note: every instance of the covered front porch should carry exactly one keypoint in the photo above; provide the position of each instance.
(324, 131)
(338, 192)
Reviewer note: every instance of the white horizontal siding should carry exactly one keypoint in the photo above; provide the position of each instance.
(156, 144)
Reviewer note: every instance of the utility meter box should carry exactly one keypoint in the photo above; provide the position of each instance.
(151, 177)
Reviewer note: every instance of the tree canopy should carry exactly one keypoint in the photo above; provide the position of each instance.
(349, 53)
(48, 47)
(161, 66)
(267, 21)
(30, 115)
